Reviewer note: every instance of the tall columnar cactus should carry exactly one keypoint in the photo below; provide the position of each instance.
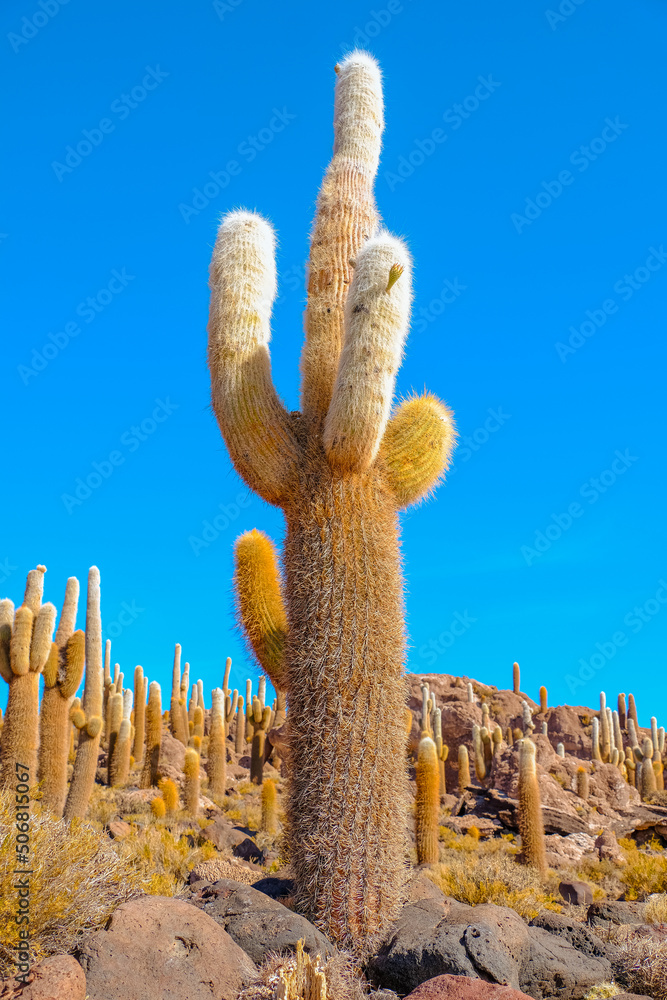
(88, 719)
(632, 710)
(269, 819)
(62, 675)
(583, 783)
(115, 718)
(149, 773)
(516, 678)
(191, 790)
(25, 644)
(107, 682)
(531, 825)
(622, 713)
(427, 802)
(341, 470)
(217, 747)
(464, 769)
(544, 702)
(140, 690)
(595, 740)
(239, 732)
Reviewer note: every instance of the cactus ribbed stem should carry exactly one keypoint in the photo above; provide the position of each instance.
(217, 748)
(85, 763)
(139, 714)
(622, 713)
(531, 826)
(149, 774)
(269, 820)
(191, 792)
(583, 783)
(516, 678)
(543, 700)
(464, 769)
(427, 803)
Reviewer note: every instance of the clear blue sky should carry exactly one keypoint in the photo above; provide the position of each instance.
(524, 160)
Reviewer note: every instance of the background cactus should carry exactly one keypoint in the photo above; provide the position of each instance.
(269, 818)
(464, 769)
(88, 719)
(25, 644)
(149, 774)
(516, 678)
(531, 825)
(341, 470)
(427, 802)
(191, 790)
(62, 675)
(169, 791)
(140, 688)
(217, 750)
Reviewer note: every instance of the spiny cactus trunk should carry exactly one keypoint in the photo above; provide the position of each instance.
(345, 646)
(20, 733)
(55, 732)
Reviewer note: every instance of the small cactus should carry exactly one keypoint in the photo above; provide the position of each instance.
(191, 772)
(261, 717)
(427, 803)
(464, 769)
(560, 749)
(169, 791)
(516, 678)
(158, 807)
(583, 783)
(269, 820)
(543, 700)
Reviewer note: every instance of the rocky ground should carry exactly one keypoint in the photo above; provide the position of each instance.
(479, 924)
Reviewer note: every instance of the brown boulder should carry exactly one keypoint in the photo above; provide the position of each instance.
(464, 988)
(59, 977)
(156, 947)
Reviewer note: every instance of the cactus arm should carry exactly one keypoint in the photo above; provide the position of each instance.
(377, 314)
(253, 421)
(42, 636)
(74, 660)
(67, 620)
(34, 588)
(345, 218)
(417, 447)
(6, 622)
(259, 601)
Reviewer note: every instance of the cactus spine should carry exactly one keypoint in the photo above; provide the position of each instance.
(340, 470)
(88, 719)
(26, 644)
(464, 769)
(140, 685)
(269, 820)
(427, 802)
(543, 700)
(191, 791)
(531, 825)
(217, 749)
(62, 676)
(149, 774)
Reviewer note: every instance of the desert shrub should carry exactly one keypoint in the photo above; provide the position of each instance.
(644, 874)
(337, 978)
(78, 878)
(655, 911)
(162, 857)
(468, 842)
(642, 966)
(601, 991)
(496, 877)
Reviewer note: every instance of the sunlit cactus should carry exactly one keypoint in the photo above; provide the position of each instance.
(191, 791)
(88, 719)
(464, 769)
(269, 818)
(25, 644)
(531, 825)
(140, 689)
(341, 470)
(427, 802)
(149, 774)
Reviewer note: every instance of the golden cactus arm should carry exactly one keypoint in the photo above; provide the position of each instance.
(75, 656)
(345, 218)
(67, 620)
(376, 325)
(417, 447)
(6, 622)
(50, 671)
(34, 588)
(259, 601)
(253, 421)
(20, 646)
(42, 637)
